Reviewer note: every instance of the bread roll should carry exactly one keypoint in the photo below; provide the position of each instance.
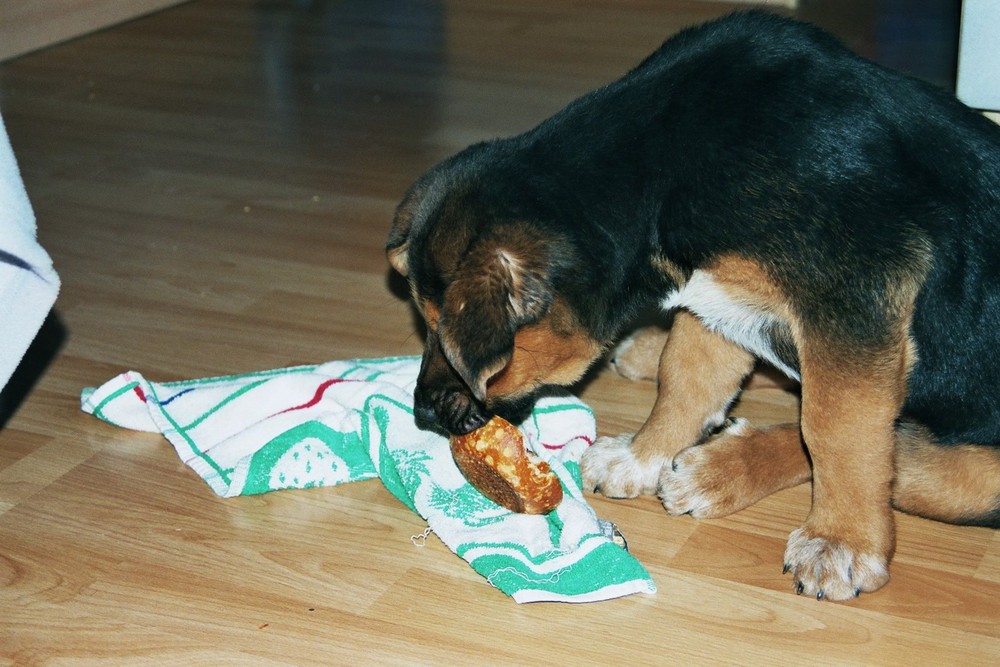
(494, 460)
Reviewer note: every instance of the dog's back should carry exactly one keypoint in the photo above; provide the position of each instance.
(792, 146)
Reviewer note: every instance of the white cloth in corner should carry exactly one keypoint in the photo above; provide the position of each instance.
(28, 282)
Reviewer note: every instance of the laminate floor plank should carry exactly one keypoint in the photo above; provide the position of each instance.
(215, 183)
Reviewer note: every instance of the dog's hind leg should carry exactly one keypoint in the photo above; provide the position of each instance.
(700, 374)
(952, 483)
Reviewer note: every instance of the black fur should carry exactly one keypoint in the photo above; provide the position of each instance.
(763, 137)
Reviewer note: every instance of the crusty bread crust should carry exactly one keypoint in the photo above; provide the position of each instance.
(494, 460)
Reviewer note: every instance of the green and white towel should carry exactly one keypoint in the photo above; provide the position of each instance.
(312, 426)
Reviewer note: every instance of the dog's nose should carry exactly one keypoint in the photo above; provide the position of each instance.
(425, 417)
(449, 410)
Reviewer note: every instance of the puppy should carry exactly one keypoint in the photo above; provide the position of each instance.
(791, 203)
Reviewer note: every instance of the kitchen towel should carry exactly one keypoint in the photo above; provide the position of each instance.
(343, 421)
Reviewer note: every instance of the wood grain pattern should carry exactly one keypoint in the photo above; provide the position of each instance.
(215, 183)
(27, 26)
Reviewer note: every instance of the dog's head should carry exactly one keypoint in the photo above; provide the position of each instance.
(484, 273)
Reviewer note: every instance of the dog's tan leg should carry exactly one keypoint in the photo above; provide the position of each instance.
(741, 465)
(953, 483)
(734, 469)
(848, 416)
(700, 374)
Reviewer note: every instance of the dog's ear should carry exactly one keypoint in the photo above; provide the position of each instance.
(397, 255)
(437, 192)
(398, 244)
(412, 215)
(502, 284)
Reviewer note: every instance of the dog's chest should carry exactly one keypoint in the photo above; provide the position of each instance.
(740, 321)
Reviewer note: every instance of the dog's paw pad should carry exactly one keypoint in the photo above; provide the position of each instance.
(830, 570)
(610, 467)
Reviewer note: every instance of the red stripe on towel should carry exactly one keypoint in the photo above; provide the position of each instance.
(587, 440)
(317, 397)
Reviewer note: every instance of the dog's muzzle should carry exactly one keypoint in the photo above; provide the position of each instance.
(441, 400)
(447, 409)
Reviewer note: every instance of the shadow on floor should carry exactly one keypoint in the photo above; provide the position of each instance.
(50, 339)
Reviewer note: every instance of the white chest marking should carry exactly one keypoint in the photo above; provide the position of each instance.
(740, 322)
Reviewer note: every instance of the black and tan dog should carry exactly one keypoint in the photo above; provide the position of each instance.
(793, 203)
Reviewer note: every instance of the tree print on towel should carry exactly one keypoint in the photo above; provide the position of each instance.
(311, 454)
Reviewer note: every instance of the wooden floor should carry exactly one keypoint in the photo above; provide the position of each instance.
(215, 183)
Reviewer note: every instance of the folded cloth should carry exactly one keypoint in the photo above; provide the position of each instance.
(28, 283)
(342, 421)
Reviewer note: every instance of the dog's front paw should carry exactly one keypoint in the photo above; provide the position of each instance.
(637, 357)
(828, 569)
(707, 480)
(610, 467)
(688, 485)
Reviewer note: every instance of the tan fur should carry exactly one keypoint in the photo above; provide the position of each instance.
(734, 469)
(738, 467)
(398, 259)
(848, 415)
(748, 281)
(851, 398)
(948, 483)
(503, 330)
(638, 356)
(669, 269)
(700, 371)
(431, 313)
(554, 350)
(847, 424)
(497, 287)
(699, 375)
